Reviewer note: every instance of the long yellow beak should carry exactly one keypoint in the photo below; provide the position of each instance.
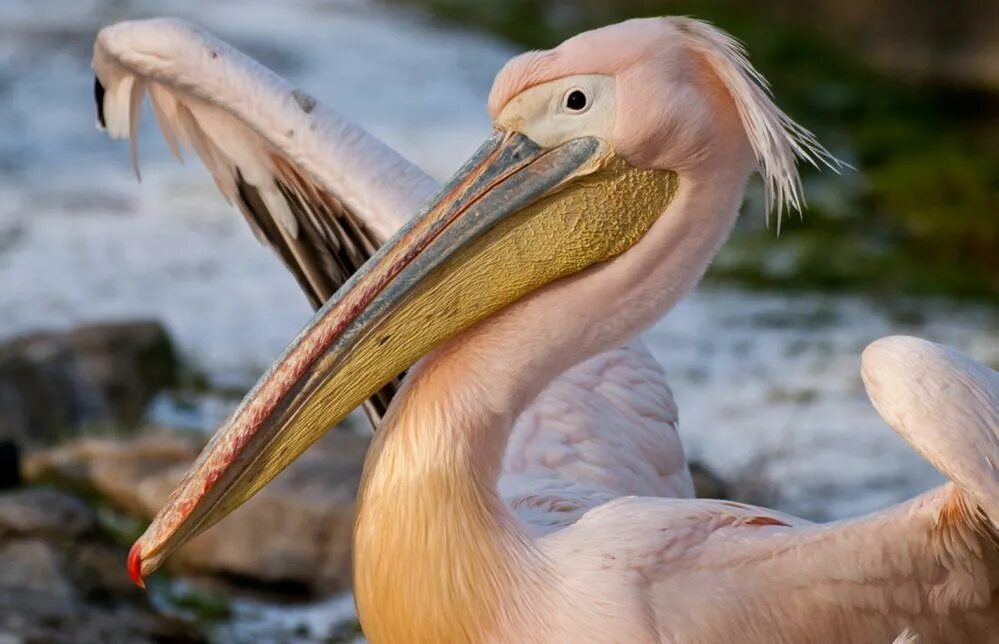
(516, 216)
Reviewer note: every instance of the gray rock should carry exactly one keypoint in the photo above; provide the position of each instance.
(31, 616)
(39, 512)
(133, 474)
(308, 509)
(128, 361)
(106, 374)
(62, 581)
(33, 564)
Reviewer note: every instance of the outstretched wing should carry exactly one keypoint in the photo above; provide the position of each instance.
(944, 404)
(723, 572)
(931, 564)
(322, 193)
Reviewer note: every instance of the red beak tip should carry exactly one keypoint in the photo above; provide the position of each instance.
(135, 566)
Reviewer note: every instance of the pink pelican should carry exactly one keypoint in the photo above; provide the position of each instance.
(526, 484)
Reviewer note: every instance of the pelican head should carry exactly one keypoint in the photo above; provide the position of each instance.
(614, 172)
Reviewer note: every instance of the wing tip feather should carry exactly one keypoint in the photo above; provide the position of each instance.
(945, 405)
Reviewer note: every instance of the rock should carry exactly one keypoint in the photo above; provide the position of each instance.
(134, 474)
(51, 383)
(129, 362)
(61, 580)
(33, 565)
(40, 512)
(29, 616)
(309, 508)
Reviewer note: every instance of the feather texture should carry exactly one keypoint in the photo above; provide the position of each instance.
(605, 428)
(928, 567)
(777, 141)
(320, 192)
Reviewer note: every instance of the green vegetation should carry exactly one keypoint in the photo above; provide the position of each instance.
(919, 216)
(348, 631)
(117, 526)
(195, 604)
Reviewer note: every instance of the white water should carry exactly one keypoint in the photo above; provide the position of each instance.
(768, 386)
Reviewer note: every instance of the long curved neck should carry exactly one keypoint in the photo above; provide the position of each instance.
(438, 557)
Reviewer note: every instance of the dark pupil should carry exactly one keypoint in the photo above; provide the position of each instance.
(576, 100)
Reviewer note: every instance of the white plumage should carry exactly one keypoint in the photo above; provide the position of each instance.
(236, 113)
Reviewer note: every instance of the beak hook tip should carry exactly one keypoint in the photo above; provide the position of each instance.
(135, 565)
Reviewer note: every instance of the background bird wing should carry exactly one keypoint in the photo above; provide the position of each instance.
(605, 428)
(930, 564)
(730, 572)
(322, 193)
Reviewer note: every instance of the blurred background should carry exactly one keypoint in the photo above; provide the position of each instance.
(133, 317)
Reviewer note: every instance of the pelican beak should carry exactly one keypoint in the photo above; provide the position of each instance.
(516, 216)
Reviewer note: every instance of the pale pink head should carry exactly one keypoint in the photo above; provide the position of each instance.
(682, 92)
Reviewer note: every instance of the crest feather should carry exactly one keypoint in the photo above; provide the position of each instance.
(777, 141)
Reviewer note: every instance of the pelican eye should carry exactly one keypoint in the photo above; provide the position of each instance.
(575, 100)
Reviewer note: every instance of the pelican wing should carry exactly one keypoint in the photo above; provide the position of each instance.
(715, 571)
(929, 565)
(322, 193)
(604, 429)
(730, 572)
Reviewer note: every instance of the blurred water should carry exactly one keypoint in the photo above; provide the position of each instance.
(254, 620)
(768, 385)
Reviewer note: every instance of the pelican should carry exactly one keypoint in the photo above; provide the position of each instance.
(526, 482)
